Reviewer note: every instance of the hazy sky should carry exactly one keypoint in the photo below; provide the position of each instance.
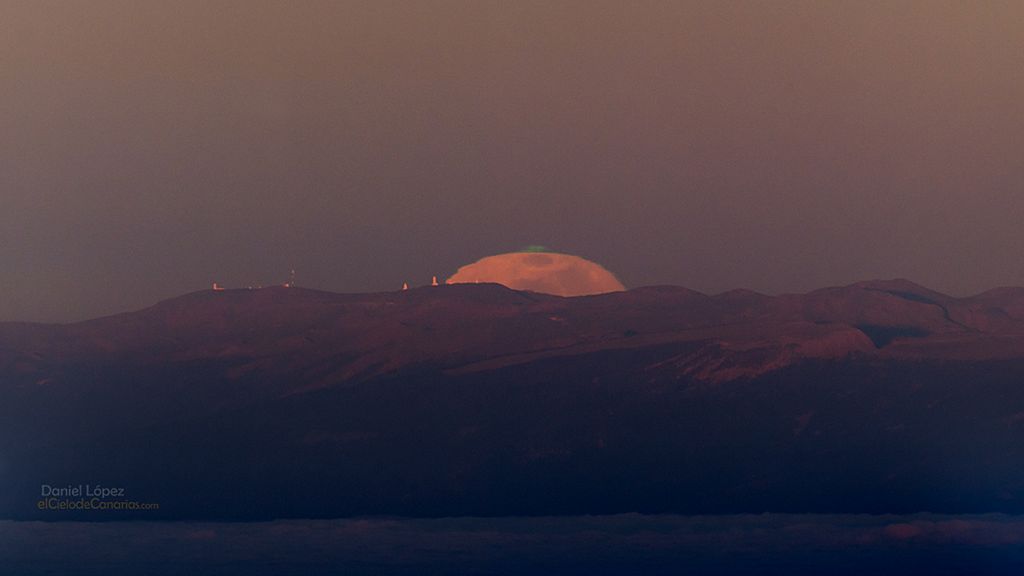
(150, 148)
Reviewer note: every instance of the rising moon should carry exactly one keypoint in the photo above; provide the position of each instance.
(546, 272)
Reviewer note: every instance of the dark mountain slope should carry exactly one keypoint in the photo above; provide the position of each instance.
(476, 399)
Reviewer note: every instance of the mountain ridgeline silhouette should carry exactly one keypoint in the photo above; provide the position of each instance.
(474, 399)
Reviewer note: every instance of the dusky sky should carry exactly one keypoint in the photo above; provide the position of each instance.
(150, 148)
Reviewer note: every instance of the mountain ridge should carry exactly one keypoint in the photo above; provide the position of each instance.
(467, 324)
(479, 400)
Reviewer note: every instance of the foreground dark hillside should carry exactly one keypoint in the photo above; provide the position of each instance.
(478, 400)
(626, 544)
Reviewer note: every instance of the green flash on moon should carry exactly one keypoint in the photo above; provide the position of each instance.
(538, 270)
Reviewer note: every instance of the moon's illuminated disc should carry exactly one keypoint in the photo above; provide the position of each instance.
(547, 272)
